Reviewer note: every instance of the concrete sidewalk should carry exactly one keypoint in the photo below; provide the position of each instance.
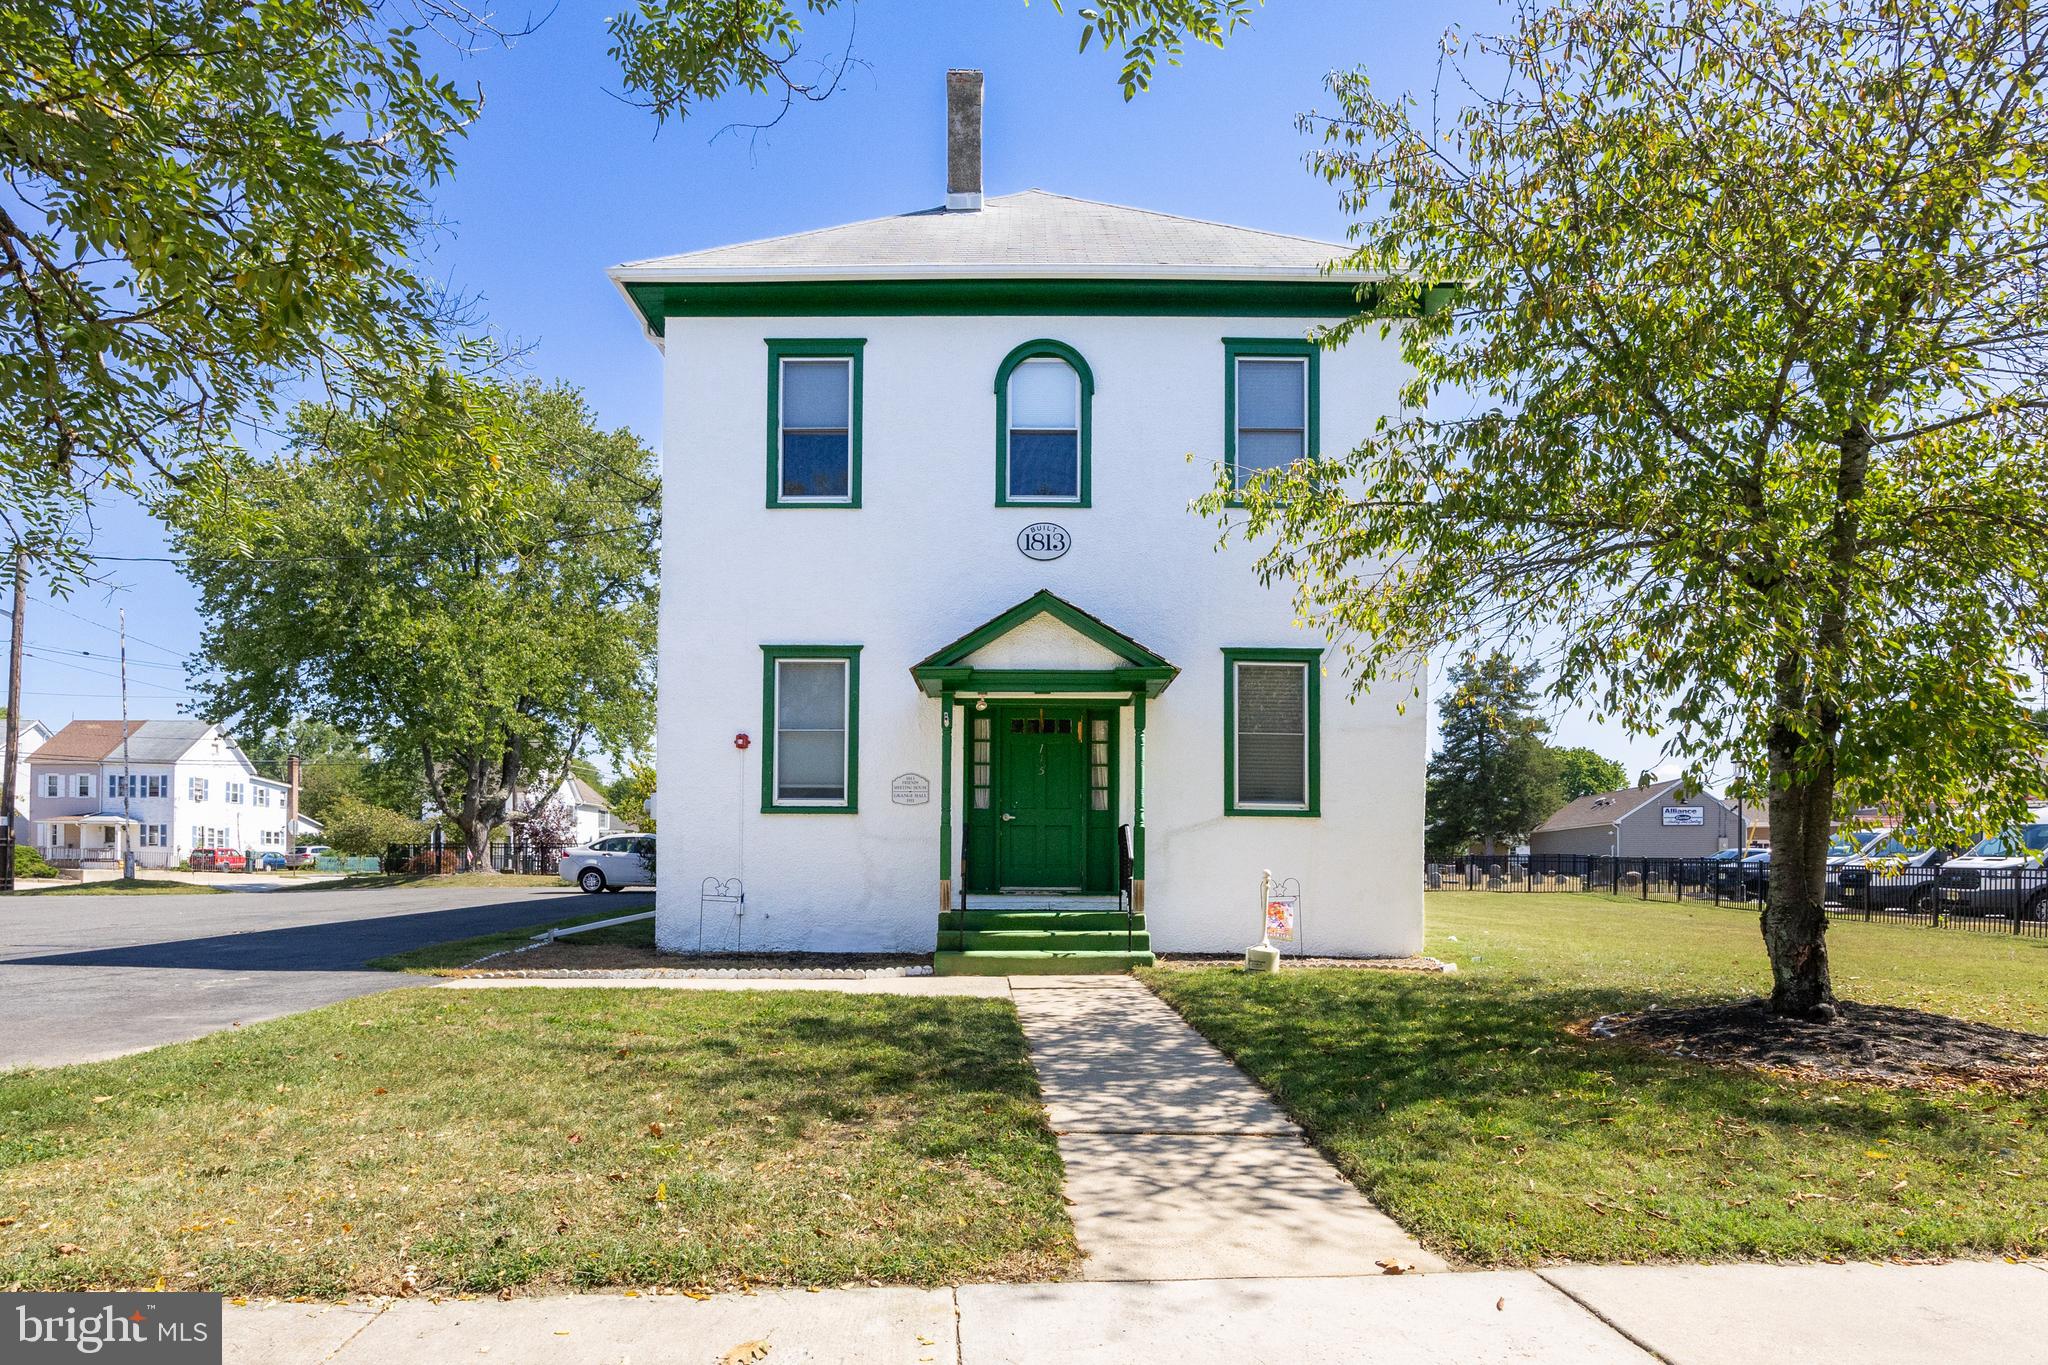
(1628, 1315)
(1178, 1167)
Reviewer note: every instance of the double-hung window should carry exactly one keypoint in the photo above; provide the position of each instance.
(1271, 401)
(262, 795)
(814, 409)
(84, 785)
(1043, 395)
(53, 785)
(234, 793)
(1272, 700)
(196, 788)
(811, 724)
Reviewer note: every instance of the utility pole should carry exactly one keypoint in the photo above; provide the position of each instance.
(127, 773)
(7, 792)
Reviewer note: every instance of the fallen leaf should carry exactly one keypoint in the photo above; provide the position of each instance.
(1500, 1305)
(101, 1099)
(1389, 1266)
(656, 1129)
(744, 1352)
(575, 1137)
(68, 1248)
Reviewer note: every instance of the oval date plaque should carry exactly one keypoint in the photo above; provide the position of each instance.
(1044, 540)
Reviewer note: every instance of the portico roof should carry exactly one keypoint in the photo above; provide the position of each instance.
(964, 666)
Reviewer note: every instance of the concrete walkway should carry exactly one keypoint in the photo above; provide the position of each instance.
(1178, 1167)
(1626, 1315)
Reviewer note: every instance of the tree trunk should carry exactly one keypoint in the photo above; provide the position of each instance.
(1795, 922)
(476, 846)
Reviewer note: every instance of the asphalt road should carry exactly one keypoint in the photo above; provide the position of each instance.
(87, 977)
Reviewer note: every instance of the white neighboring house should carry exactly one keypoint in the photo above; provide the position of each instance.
(593, 812)
(967, 636)
(34, 734)
(181, 785)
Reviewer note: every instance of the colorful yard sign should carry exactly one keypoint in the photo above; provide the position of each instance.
(1280, 912)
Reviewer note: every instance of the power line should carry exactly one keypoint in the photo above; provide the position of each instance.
(96, 625)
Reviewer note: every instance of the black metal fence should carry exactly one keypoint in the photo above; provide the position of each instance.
(2012, 900)
(504, 856)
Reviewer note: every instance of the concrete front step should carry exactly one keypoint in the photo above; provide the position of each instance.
(1011, 901)
(999, 963)
(1045, 940)
(1025, 919)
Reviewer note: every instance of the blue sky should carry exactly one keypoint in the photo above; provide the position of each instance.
(560, 179)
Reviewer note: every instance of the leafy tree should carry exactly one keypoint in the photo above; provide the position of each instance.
(676, 54)
(362, 830)
(1583, 772)
(1750, 405)
(333, 765)
(205, 201)
(1493, 779)
(200, 199)
(631, 794)
(549, 827)
(491, 639)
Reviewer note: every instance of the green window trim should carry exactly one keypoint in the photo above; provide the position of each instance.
(774, 654)
(1265, 348)
(1042, 349)
(1312, 662)
(814, 348)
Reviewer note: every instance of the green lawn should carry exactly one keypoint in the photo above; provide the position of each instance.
(560, 1139)
(125, 886)
(461, 952)
(1463, 1105)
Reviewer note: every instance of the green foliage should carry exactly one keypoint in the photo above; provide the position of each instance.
(1493, 779)
(630, 792)
(354, 827)
(676, 54)
(492, 634)
(198, 200)
(29, 863)
(1583, 772)
(333, 765)
(1739, 409)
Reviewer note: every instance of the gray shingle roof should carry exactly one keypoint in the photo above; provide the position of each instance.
(1031, 232)
(149, 741)
(1602, 808)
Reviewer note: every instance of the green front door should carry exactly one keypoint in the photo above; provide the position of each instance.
(1042, 799)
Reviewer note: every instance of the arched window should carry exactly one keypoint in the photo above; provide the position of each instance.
(1043, 394)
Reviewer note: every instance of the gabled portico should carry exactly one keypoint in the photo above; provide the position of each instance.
(1033, 716)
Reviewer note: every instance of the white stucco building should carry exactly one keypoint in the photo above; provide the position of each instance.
(939, 632)
(173, 786)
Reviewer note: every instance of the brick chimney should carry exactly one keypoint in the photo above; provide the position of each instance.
(963, 141)
(291, 800)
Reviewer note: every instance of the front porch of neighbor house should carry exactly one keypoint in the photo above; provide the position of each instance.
(98, 840)
(1041, 800)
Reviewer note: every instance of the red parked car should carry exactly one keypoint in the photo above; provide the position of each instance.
(218, 860)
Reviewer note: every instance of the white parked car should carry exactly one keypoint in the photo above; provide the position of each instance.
(610, 864)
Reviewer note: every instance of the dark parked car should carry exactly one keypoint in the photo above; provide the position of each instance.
(271, 861)
(1746, 876)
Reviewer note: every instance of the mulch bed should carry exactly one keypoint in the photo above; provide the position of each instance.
(1883, 1044)
(567, 954)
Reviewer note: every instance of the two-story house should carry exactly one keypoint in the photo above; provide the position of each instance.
(939, 631)
(173, 786)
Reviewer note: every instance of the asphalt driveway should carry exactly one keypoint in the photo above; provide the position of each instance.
(86, 977)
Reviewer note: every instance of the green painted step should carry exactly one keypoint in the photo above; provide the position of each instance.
(1021, 919)
(1044, 940)
(1034, 964)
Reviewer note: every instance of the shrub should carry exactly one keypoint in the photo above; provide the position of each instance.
(444, 862)
(29, 863)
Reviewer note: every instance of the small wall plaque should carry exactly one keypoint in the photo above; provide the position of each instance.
(910, 790)
(1044, 540)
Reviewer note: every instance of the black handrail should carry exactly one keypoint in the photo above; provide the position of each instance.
(1123, 882)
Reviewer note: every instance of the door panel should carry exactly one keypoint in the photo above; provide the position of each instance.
(1042, 799)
